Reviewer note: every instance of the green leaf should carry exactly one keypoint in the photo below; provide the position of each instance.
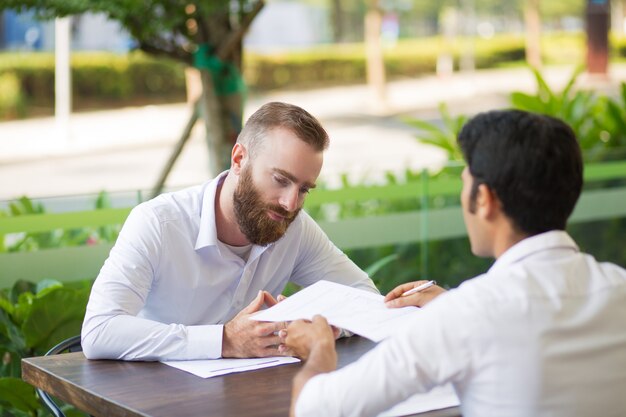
(13, 338)
(618, 115)
(572, 81)
(18, 394)
(420, 124)
(523, 101)
(379, 264)
(11, 365)
(103, 200)
(543, 90)
(19, 288)
(55, 316)
(46, 286)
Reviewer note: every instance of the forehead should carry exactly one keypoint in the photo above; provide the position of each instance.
(283, 150)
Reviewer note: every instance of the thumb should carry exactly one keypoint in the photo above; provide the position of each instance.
(401, 302)
(255, 305)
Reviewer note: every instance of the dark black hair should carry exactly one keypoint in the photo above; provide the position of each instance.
(531, 162)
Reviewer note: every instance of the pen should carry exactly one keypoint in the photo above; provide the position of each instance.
(419, 288)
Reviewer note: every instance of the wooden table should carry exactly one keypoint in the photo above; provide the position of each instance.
(118, 388)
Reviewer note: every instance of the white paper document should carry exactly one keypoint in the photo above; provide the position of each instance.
(213, 367)
(362, 312)
(436, 399)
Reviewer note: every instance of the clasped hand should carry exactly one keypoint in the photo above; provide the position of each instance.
(247, 338)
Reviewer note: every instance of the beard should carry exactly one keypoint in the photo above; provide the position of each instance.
(251, 213)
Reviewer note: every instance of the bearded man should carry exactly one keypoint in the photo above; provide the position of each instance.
(190, 267)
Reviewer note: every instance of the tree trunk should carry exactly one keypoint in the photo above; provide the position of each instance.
(533, 33)
(374, 51)
(468, 61)
(337, 21)
(217, 141)
(598, 19)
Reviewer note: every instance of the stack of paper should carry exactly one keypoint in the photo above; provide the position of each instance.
(214, 367)
(362, 312)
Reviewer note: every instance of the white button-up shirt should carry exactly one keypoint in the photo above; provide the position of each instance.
(169, 285)
(542, 333)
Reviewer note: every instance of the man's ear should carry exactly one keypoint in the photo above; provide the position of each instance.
(487, 202)
(238, 158)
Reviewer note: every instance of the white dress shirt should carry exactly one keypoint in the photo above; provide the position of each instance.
(169, 285)
(542, 333)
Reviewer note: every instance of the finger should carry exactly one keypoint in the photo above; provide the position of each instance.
(255, 305)
(319, 320)
(280, 298)
(410, 300)
(401, 289)
(419, 299)
(268, 300)
(271, 340)
(265, 328)
(298, 324)
(274, 351)
(284, 350)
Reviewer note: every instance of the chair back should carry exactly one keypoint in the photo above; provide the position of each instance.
(71, 344)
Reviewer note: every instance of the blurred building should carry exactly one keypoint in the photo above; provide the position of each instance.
(281, 24)
(23, 31)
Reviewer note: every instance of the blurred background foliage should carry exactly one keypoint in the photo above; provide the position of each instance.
(105, 79)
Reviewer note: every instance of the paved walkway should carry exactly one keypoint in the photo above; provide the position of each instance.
(125, 149)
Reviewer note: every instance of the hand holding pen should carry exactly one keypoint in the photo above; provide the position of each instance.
(417, 293)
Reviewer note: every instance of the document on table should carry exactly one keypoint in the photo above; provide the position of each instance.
(208, 368)
(436, 399)
(362, 312)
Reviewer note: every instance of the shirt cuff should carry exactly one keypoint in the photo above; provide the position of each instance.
(204, 342)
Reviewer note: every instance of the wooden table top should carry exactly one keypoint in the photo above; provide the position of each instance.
(120, 388)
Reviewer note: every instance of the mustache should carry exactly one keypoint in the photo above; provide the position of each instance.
(281, 211)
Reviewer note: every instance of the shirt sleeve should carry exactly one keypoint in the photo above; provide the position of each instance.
(112, 328)
(431, 351)
(321, 259)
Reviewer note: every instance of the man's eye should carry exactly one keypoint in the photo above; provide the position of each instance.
(281, 180)
(305, 190)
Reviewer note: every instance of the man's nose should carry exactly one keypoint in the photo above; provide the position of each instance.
(290, 199)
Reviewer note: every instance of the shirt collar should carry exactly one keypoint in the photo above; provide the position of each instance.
(207, 235)
(554, 239)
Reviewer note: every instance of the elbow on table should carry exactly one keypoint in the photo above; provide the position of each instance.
(94, 347)
(90, 349)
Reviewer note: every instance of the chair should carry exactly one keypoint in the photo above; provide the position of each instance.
(71, 344)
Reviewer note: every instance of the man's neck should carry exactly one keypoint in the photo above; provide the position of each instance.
(506, 239)
(225, 220)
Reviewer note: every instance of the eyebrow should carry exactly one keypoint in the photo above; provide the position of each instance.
(293, 178)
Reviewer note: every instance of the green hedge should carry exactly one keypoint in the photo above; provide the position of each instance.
(110, 80)
(104, 78)
(341, 64)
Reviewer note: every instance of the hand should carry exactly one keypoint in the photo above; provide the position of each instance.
(395, 299)
(247, 338)
(303, 336)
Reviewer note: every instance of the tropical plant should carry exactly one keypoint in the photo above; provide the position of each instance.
(33, 318)
(598, 121)
(442, 136)
(580, 109)
(613, 120)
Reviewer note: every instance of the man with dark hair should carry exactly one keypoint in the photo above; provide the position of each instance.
(190, 267)
(542, 333)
